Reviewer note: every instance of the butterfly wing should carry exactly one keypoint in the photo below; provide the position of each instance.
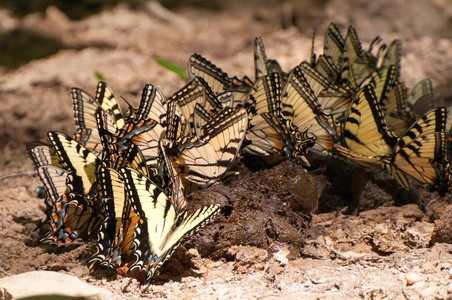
(217, 79)
(108, 101)
(334, 44)
(75, 158)
(300, 105)
(418, 158)
(152, 105)
(42, 155)
(364, 130)
(393, 56)
(335, 101)
(420, 97)
(208, 158)
(115, 235)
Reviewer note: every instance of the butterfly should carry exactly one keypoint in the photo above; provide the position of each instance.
(301, 107)
(334, 99)
(144, 127)
(269, 133)
(183, 102)
(357, 64)
(396, 111)
(415, 153)
(420, 152)
(116, 231)
(344, 61)
(174, 185)
(393, 56)
(333, 45)
(69, 214)
(42, 154)
(76, 211)
(206, 159)
(152, 106)
(159, 227)
(264, 66)
(420, 97)
(115, 235)
(85, 107)
(364, 130)
(217, 79)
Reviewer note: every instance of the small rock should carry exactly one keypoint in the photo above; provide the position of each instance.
(8, 22)
(249, 254)
(412, 278)
(56, 17)
(281, 255)
(249, 259)
(193, 252)
(42, 284)
(429, 293)
(443, 227)
(419, 234)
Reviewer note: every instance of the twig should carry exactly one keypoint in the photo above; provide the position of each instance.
(32, 173)
(124, 289)
(332, 250)
(4, 272)
(146, 288)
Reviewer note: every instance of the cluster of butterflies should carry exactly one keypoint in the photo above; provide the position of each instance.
(126, 176)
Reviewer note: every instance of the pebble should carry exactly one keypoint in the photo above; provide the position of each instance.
(412, 278)
(46, 284)
(429, 292)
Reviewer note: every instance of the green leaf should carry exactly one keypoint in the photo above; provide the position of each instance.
(172, 67)
(100, 76)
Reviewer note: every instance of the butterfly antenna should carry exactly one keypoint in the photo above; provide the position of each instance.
(313, 56)
(132, 111)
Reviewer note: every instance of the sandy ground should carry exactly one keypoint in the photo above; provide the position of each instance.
(371, 252)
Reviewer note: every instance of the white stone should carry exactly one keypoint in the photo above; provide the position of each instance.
(412, 278)
(49, 283)
(429, 293)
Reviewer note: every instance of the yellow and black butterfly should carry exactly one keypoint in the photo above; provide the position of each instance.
(77, 211)
(364, 130)
(195, 92)
(217, 79)
(269, 133)
(333, 45)
(75, 158)
(397, 114)
(420, 97)
(42, 155)
(144, 129)
(368, 141)
(85, 107)
(206, 159)
(335, 100)
(301, 106)
(264, 66)
(420, 152)
(328, 64)
(344, 61)
(65, 200)
(159, 228)
(393, 56)
(115, 235)
(358, 64)
(54, 180)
